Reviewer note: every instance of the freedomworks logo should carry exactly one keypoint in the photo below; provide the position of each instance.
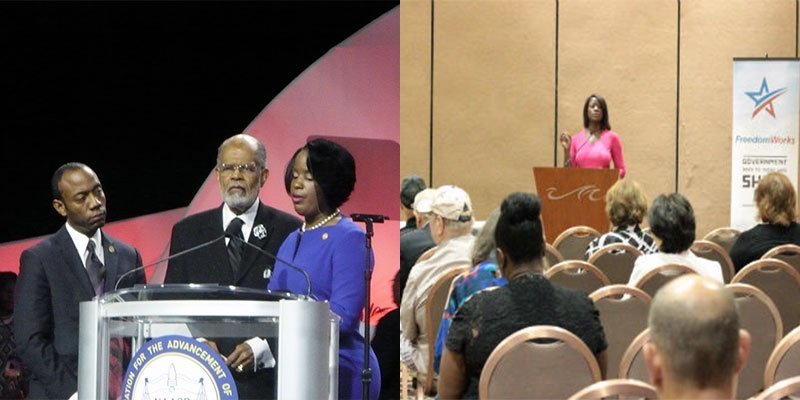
(763, 98)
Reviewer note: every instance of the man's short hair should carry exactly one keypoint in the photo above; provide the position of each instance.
(698, 338)
(409, 187)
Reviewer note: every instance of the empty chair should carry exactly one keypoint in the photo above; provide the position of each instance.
(780, 281)
(617, 388)
(520, 367)
(786, 252)
(759, 316)
(786, 388)
(784, 362)
(578, 275)
(434, 306)
(725, 237)
(616, 261)
(633, 365)
(572, 242)
(623, 313)
(712, 251)
(551, 256)
(659, 276)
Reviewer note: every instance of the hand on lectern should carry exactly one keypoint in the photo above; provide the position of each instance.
(242, 358)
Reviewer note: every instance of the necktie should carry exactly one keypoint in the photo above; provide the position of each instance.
(96, 269)
(235, 244)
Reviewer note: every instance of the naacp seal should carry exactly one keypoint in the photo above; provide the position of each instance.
(178, 368)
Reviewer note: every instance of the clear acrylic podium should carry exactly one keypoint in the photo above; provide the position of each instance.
(306, 332)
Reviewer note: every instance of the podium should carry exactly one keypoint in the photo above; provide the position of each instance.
(573, 196)
(306, 333)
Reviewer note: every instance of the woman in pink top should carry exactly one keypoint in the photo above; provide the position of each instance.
(596, 145)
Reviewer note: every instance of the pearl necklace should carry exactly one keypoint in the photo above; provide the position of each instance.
(320, 223)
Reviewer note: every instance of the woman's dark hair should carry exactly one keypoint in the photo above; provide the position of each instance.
(519, 228)
(333, 169)
(602, 101)
(409, 187)
(672, 220)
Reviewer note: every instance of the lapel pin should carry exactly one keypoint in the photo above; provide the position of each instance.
(111, 248)
(260, 231)
(325, 236)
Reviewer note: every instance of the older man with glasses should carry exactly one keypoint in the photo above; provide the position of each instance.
(241, 172)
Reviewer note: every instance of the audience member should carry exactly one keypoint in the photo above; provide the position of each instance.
(482, 274)
(241, 173)
(451, 229)
(626, 207)
(528, 299)
(672, 223)
(413, 244)
(320, 178)
(409, 187)
(596, 145)
(385, 346)
(77, 263)
(15, 377)
(776, 201)
(696, 347)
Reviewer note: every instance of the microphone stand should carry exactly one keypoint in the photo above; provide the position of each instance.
(368, 220)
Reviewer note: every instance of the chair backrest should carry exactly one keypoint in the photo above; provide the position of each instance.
(785, 252)
(578, 275)
(759, 316)
(784, 362)
(617, 388)
(712, 251)
(437, 298)
(551, 256)
(725, 237)
(521, 367)
(780, 281)
(633, 365)
(623, 313)
(786, 388)
(616, 261)
(572, 242)
(659, 276)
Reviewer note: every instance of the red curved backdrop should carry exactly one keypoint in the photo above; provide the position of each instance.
(350, 95)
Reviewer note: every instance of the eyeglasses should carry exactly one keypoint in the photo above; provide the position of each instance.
(250, 168)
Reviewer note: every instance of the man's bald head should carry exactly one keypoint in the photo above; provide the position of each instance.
(695, 328)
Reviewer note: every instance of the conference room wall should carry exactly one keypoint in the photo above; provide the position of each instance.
(499, 90)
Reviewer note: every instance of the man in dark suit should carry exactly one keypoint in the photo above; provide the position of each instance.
(73, 265)
(241, 172)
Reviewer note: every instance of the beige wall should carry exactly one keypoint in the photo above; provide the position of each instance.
(491, 108)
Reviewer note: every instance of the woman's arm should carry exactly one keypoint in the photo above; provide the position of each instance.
(453, 375)
(616, 155)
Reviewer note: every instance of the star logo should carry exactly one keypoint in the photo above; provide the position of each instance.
(763, 98)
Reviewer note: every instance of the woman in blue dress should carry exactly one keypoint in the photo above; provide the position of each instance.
(319, 178)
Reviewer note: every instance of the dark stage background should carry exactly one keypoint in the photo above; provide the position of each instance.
(144, 92)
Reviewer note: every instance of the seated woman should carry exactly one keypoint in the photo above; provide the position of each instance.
(672, 223)
(482, 274)
(626, 206)
(528, 299)
(776, 201)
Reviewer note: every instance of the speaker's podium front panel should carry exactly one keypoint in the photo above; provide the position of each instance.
(147, 342)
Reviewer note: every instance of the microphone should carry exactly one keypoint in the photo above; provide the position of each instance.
(178, 254)
(276, 259)
(376, 218)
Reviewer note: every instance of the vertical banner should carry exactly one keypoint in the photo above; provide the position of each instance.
(766, 111)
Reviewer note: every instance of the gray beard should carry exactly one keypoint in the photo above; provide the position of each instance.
(235, 201)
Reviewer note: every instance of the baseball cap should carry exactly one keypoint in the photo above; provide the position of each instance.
(452, 202)
(423, 200)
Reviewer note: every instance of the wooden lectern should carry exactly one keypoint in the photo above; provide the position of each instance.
(573, 196)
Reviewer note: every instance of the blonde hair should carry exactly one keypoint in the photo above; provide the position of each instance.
(776, 199)
(626, 203)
